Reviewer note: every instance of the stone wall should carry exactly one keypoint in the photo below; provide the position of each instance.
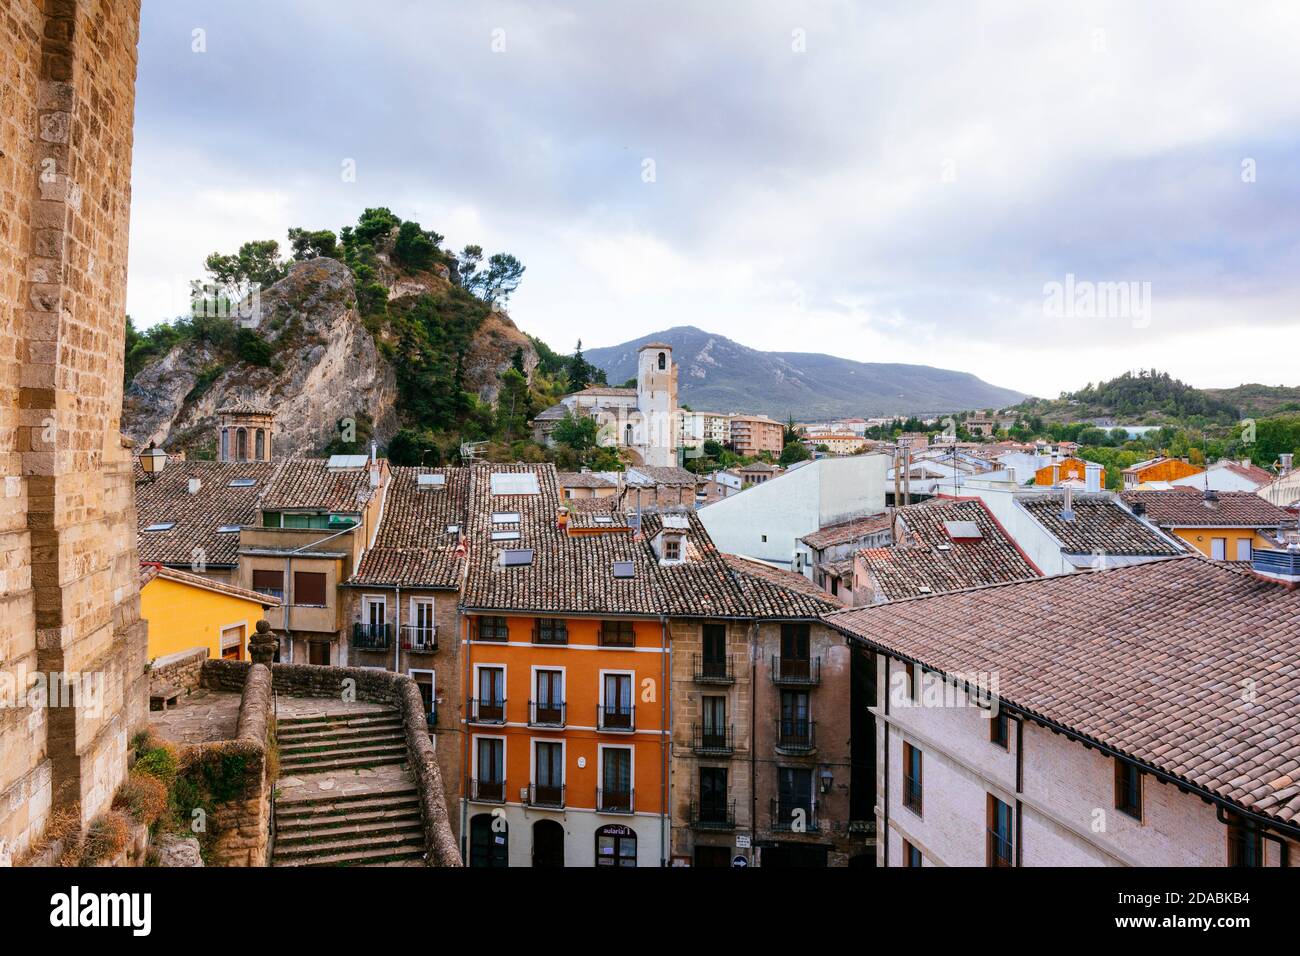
(374, 686)
(181, 671)
(239, 772)
(70, 599)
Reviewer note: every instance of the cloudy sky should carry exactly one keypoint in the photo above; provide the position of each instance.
(899, 182)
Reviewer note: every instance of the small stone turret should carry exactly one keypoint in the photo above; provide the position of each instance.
(245, 432)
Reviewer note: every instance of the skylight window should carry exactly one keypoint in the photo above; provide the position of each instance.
(161, 526)
(505, 535)
(453, 529)
(228, 529)
(516, 483)
(624, 569)
(603, 519)
(505, 517)
(242, 482)
(517, 557)
(426, 482)
(963, 530)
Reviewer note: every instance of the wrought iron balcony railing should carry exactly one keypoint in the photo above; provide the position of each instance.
(796, 734)
(796, 672)
(422, 640)
(615, 801)
(372, 637)
(487, 791)
(546, 714)
(619, 718)
(714, 670)
(550, 634)
(709, 739)
(999, 847)
(545, 795)
(485, 711)
(713, 815)
(794, 816)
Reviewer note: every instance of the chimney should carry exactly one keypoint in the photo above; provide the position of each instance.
(374, 466)
(194, 485)
(1067, 511)
(1092, 480)
(562, 518)
(1056, 475)
(1284, 463)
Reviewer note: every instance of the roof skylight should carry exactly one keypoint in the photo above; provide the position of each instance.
(161, 526)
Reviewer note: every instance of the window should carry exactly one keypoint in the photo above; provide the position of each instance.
(663, 361)
(489, 770)
(615, 846)
(616, 702)
(1245, 847)
(548, 771)
(309, 588)
(548, 705)
(794, 729)
(505, 536)
(1000, 842)
(624, 569)
(617, 634)
(1000, 729)
(794, 642)
(616, 779)
(260, 445)
(241, 445)
(232, 642)
(493, 629)
(453, 529)
(505, 517)
(911, 855)
(242, 482)
(228, 529)
(794, 800)
(715, 644)
(672, 549)
(517, 557)
(424, 682)
(551, 630)
(161, 526)
(913, 681)
(422, 629)
(490, 705)
(912, 778)
(269, 582)
(713, 710)
(1128, 788)
(713, 795)
(225, 444)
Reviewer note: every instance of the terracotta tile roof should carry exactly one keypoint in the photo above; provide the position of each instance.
(554, 413)
(1252, 471)
(776, 592)
(575, 573)
(582, 479)
(846, 532)
(1100, 526)
(1149, 660)
(245, 408)
(1188, 508)
(606, 390)
(934, 555)
(661, 475)
(196, 518)
(310, 483)
(150, 571)
(413, 547)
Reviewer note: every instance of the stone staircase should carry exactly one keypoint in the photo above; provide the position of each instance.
(353, 803)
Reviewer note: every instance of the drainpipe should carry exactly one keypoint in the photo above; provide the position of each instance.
(753, 734)
(1283, 848)
(665, 727)
(882, 833)
(397, 643)
(1020, 787)
(464, 768)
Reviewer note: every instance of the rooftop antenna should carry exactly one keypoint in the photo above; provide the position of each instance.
(470, 451)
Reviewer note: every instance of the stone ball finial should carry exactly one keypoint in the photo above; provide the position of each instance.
(263, 644)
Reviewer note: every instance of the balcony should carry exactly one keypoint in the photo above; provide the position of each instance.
(486, 711)
(794, 816)
(372, 637)
(616, 718)
(714, 670)
(545, 795)
(716, 741)
(713, 815)
(617, 635)
(796, 735)
(796, 672)
(420, 640)
(615, 801)
(550, 635)
(546, 714)
(487, 791)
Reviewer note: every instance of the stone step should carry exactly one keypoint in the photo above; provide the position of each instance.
(368, 750)
(321, 744)
(362, 726)
(396, 755)
(361, 846)
(343, 828)
(308, 725)
(329, 821)
(360, 799)
(413, 852)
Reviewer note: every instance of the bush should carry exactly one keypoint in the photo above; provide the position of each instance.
(106, 837)
(160, 763)
(143, 796)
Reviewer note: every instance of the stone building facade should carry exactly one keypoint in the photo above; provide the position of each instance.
(67, 518)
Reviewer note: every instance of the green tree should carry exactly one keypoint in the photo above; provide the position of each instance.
(311, 244)
(256, 263)
(794, 451)
(576, 431)
(415, 248)
(513, 406)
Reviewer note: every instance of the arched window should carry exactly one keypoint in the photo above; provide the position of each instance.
(487, 848)
(261, 445)
(241, 445)
(663, 361)
(616, 845)
(225, 444)
(628, 433)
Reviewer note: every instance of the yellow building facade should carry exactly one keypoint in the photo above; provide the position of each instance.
(186, 610)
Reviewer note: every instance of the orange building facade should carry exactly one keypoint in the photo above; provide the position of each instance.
(566, 751)
(1159, 469)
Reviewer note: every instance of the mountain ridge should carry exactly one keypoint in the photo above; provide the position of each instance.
(720, 374)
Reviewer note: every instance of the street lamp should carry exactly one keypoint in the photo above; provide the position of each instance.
(153, 460)
(827, 778)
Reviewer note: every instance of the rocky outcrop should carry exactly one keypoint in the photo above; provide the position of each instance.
(327, 366)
